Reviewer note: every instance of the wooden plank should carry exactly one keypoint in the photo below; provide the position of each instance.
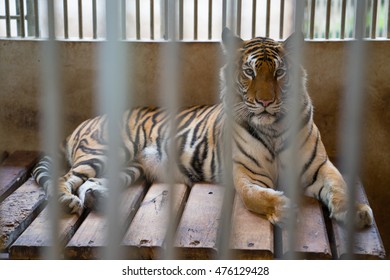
(145, 237)
(15, 170)
(196, 236)
(311, 238)
(37, 237)
(90, 238)
(252, 236)
(18, 210)
(367, 244)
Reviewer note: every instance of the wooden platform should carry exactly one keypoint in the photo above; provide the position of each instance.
(144, 214)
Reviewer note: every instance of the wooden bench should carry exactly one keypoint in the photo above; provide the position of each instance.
(144, 210)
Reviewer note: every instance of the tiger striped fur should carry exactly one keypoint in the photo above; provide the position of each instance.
(261, 102)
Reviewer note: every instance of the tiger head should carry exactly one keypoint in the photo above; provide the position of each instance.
(260, 70)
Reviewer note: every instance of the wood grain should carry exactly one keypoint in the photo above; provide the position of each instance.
(90, 238)
(252, 235)
(145, 238)
(196, 236)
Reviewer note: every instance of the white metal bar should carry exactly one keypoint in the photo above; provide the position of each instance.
(351, 130)
(254, 8)
(51, 122)
(80, 16)
(328, 14)
(7, 19)
(281, 22)
(268, 18)
(112, 99)
(312, 18)
(66, 26)
(374, 18)
(169, 100)
(343, 16)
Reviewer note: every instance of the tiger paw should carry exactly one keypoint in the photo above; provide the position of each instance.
(281, 210)
(364, 216)
(71, 204)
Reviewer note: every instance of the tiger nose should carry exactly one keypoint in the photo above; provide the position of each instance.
(265, 103)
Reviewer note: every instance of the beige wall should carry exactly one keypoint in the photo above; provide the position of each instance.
(325, 62)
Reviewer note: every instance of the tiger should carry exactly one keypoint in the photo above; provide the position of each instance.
(261, 99)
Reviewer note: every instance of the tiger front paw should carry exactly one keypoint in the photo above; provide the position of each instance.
(363, 217)
(71, 204)
(280, 211)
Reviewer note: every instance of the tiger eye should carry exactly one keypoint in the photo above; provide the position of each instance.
(280, 72)
(249, 72)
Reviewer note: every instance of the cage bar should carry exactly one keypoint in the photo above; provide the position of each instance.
(224, 13)
(22, 19)
(137, 20)
(181, 19)
(268, 18)
(281, 20)
(152, 19)
(7, 18)
(36, 18)
(94, 19)
(328, 14)
(66, 26)
(343, 16)
(195, 20)
(254, 7)
(210, 20)
(80, 18)
(112, 99)
(350, 130)
(374, 18)
(312, 18)
(239, 13)
(123, 14)
(51, 123)
(388, 21)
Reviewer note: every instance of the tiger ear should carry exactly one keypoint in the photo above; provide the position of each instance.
(294, 43)
(230, 40)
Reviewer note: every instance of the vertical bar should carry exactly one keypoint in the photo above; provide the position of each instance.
(112, 99)
(181, 20)
(80, 6)
(36, 18)
(124, 19)
(268, 18)
(7, 19)
(137, 19)
(210, 19)
(312, 18)
(224, 13)
(94, 19)
(152, 19)
(51, 122)
(388, 20)
(239, 12)
(170, 102)
(254, 8)
(290, 176)
(351, 129)
(22, 19)
(195, 20)
(165, 17)
(374, 18)
(343, 16)
(30, 18)
(281, 23)
(224, 230)
(66, 27)
(327, 24)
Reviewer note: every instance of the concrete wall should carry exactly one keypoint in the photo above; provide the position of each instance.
(325, 62)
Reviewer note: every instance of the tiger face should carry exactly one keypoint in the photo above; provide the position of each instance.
(261, 78)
